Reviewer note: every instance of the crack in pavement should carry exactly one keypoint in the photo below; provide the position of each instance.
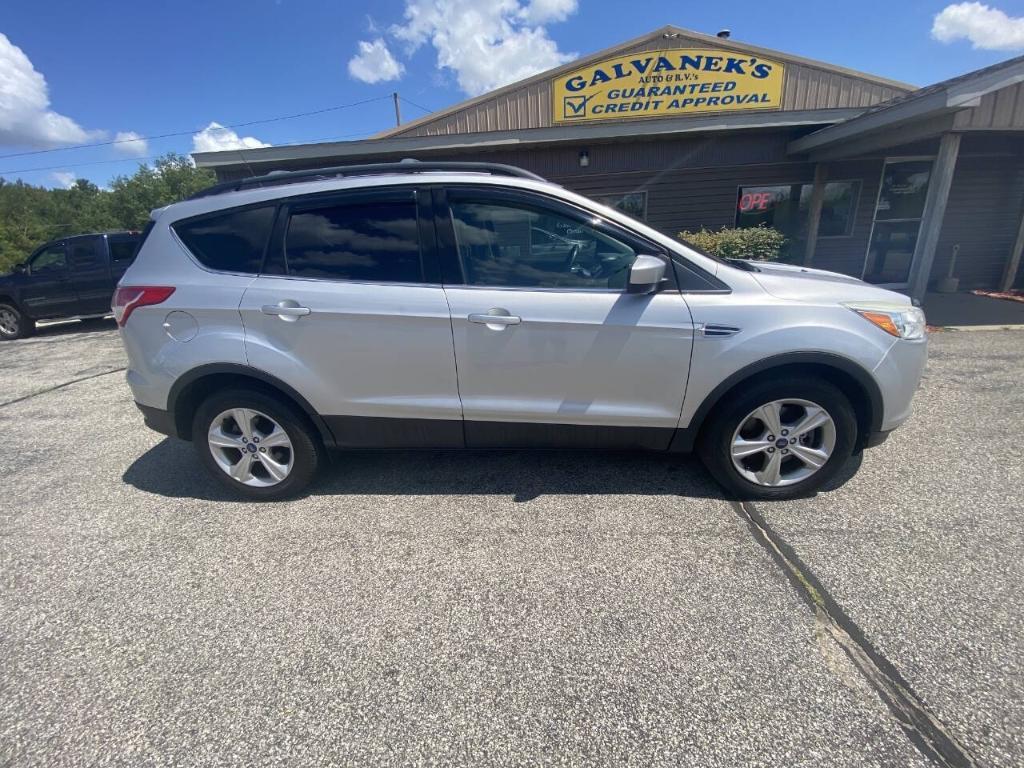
(54, 388)
(929, 734)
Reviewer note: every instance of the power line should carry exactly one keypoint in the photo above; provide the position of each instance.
(195, 130)
(64, 166)
(418, 106)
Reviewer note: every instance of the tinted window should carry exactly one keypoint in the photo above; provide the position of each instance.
(507, 245)
(787, 208)
(85, 253)
(904, 188)
(376, 241)
(232, 241)
(122, 250)
(50, 260)
(630, 203)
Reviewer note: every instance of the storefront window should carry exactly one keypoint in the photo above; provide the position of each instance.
(630, 203)
(904, 187)
(897, 221)
(891, 251)
(787, 208)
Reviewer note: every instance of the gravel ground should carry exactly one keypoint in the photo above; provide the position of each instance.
(493, 608)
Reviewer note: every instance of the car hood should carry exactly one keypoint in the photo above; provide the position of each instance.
(796, 283)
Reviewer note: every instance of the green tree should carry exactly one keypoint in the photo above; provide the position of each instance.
(29, 215)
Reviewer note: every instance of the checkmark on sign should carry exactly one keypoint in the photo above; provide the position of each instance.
(575, 106)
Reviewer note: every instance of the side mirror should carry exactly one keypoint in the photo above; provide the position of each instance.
(19, 269)
(646, 275)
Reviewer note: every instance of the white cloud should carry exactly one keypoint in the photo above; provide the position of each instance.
(486, 43)
(65, 179)
(25, 116)
(544, 11)
(216, 138)
(131, 143)
(986, 27)
(374, 63)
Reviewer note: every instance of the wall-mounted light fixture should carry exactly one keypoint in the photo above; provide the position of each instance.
(584, 158)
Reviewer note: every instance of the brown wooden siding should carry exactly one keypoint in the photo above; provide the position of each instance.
(806, 87)
(984, 210)
(999, 110)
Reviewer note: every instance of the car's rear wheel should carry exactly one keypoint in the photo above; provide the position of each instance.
(14, 324)
(780, 439)
(257, 445)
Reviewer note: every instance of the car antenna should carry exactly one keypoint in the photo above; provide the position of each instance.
(241, 154)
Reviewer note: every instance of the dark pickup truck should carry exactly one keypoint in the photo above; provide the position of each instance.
(66, 278)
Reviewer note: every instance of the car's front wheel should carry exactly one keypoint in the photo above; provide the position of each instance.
(779, 439)
(257, 445)
(13, 323)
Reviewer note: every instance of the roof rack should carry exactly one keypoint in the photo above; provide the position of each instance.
(408, 165)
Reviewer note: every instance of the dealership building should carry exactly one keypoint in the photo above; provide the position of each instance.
(900, 185)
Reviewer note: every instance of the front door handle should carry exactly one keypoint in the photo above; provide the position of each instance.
(495, 319)
(287, 310)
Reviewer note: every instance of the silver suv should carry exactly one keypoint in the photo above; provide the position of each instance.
(468, 305)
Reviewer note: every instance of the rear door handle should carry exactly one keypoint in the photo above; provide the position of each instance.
(286, 310)
(500, 317)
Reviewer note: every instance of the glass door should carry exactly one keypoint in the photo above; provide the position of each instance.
(897, 222)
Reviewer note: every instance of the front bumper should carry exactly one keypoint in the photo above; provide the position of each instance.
(899, 376)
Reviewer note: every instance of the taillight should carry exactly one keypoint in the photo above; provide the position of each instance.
(128, 298)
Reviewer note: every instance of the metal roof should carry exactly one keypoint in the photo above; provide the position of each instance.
(935, 101)
(529, 137)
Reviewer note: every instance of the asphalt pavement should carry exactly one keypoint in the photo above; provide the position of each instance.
(503, 608)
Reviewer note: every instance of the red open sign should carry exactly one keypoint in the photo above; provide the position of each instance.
(756, 201)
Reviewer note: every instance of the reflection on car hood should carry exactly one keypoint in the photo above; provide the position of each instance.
(796, 283)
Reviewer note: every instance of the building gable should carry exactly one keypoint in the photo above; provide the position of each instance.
(791, 84)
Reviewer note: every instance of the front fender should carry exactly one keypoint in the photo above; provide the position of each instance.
(773, 334)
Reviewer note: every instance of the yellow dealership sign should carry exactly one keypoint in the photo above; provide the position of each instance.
(667, 84)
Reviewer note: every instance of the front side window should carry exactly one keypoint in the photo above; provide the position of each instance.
(787, 208)
(229, 241)
(508, 245)
(372, 241)
(630, 203)
(52, 259)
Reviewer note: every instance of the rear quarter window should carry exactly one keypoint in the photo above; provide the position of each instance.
(228, 241)
(123, 249)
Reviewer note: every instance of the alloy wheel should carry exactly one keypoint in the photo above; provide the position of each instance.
(8, 322)
(250, 447)
(783, 442)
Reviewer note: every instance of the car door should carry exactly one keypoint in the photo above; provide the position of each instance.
(47, 289)
(551, 349)
(349, 310)
(90, 274)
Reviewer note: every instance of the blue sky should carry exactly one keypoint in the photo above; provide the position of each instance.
(75, 72)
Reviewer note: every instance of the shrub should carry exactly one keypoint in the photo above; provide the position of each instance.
(758, 243)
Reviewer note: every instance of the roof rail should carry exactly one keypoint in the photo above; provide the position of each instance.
(408, 165)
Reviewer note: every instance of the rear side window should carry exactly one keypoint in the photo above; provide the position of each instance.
(367, 240)
(229, 241)
(86, 253)
(123, 250)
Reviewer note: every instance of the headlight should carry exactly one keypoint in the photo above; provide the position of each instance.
(899, 321)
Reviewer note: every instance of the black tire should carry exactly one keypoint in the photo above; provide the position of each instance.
(23, 325)
(716, 437)
(307, 450)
